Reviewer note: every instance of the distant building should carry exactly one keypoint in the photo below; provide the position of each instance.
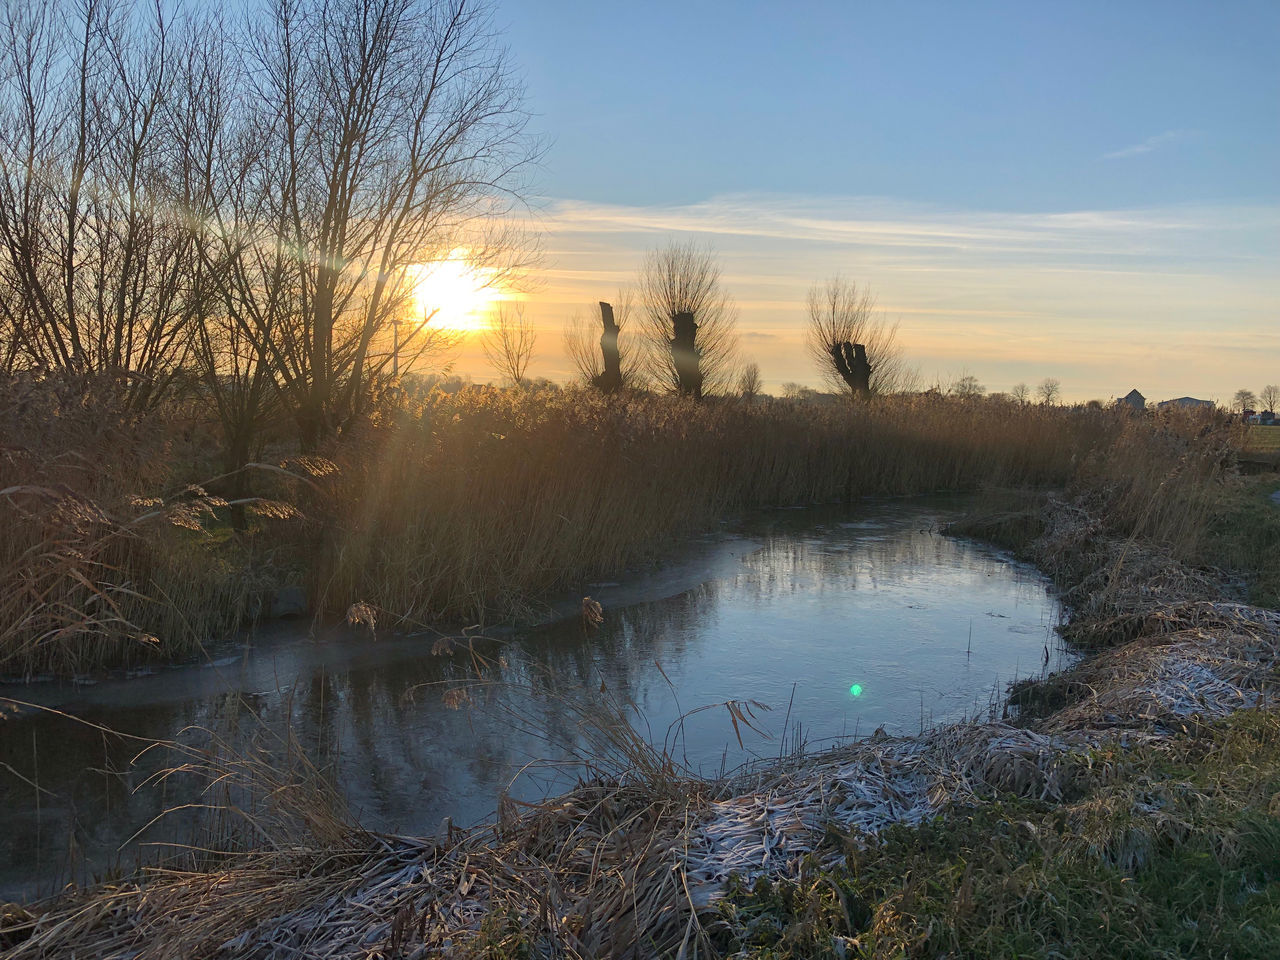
(1134, 399)
(1186, 403)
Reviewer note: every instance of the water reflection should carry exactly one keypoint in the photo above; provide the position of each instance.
(926, 626)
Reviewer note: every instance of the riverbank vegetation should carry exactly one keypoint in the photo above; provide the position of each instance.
(1126, 806)
(214, 233)
(128, 542)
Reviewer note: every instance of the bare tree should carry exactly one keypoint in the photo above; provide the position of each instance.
(1269, 396)
(508, 344)
(1049, 391)
(689, 321)
(1020, 393)
(749, 381)
(581, 346)
(234, 371)
(1244, 400)
(392, 134)
(594, 346)
(162, 179)
(96, 246)
(852, 343)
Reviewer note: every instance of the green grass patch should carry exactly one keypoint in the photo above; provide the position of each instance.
(1173, 851)
(1244, 537)
(1262, 439)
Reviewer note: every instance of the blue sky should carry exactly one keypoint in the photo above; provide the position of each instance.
(1011, 172)
(1017, 106)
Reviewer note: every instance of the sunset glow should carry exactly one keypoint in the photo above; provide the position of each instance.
(455, 294)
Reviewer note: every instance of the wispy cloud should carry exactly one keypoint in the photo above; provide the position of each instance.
(1150, 144)
(773, 226)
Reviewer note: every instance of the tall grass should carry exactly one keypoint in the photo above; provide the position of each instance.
(106, 555)
(477, 502)
(1158, 478)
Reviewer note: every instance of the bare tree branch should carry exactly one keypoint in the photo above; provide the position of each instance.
(842, 316)
(508, 344)
(684, 279)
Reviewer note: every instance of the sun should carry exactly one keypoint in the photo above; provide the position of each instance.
(455, 294)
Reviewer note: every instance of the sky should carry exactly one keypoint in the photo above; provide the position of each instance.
(1086, 191)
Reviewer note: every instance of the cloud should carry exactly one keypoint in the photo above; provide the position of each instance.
(908, 231)
(1149, 144)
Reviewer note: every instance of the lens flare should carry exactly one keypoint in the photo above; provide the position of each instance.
(856, 690)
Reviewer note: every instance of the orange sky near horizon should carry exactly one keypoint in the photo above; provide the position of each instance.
(1178, 301)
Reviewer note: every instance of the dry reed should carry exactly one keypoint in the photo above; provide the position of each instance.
(473, 504)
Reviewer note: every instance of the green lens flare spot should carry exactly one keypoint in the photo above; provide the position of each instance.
(856, 690)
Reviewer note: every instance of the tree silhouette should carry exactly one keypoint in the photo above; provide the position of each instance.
(852, 343)
(508, 344)
(689, 321)
(603, 352)
(1269, 396)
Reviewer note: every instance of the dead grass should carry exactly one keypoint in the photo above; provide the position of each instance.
(86, 584)
(1003, 838)
(116, 549)
(1090, 822)
(474, 504)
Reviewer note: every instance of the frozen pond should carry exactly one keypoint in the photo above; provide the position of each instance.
(840, 620)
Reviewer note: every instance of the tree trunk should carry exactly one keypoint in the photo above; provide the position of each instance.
(685, 355)
(236, 457)
(311, 420)
(610, 380)
(854, 367)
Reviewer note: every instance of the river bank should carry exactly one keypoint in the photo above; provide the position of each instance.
(1125, 806)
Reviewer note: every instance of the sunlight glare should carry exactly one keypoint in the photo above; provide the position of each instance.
(462, 294)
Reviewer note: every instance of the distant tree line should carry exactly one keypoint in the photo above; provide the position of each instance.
(687, 341)
(1248, 400)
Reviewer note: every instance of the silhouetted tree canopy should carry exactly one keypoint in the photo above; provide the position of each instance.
(684, 278)
(843, 317)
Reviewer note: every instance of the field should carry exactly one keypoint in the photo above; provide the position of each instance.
(1262, 439)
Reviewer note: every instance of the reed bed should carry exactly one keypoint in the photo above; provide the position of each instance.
(116, 548)
(473, 504)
